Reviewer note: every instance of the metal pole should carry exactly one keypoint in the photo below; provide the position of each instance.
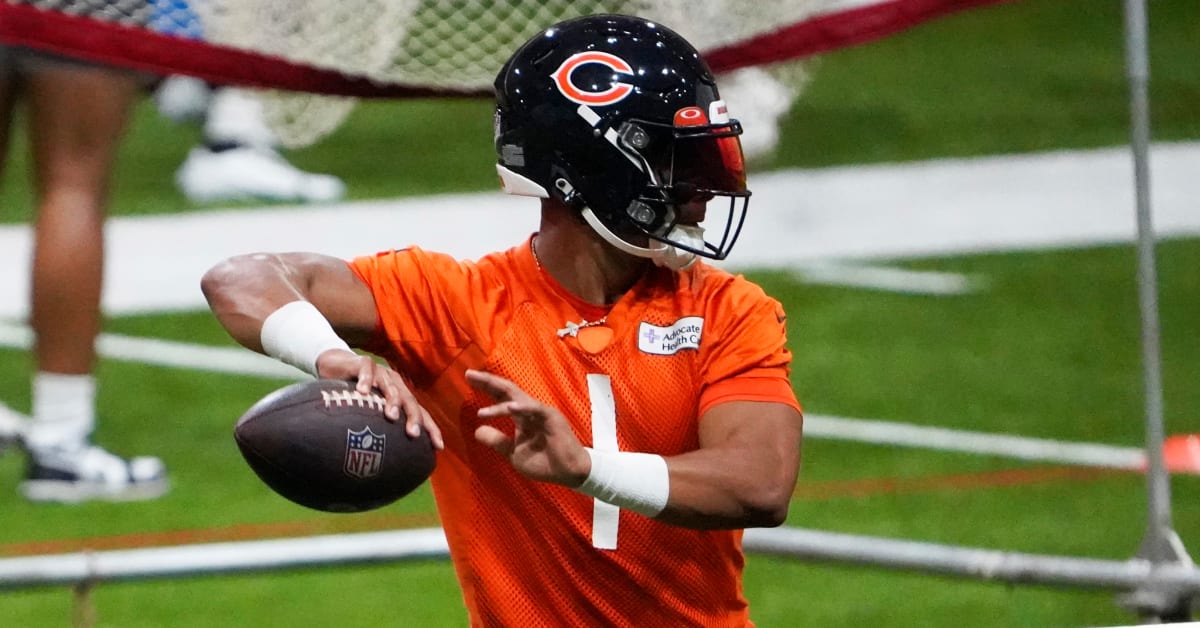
(1161, 543)
(83, 607)
(1135, 19)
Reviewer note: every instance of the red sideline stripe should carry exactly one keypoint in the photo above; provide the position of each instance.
(143, 49)
(229, 534)
(805, 490)
(839, 29)
(841, 489)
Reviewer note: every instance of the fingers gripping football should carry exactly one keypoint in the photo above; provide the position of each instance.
(543, 446)
(371, 375)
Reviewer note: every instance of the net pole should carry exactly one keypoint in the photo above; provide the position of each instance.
(1138, 67)
(1161, 544)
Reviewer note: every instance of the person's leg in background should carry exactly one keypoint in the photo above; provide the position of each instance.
(77, 117)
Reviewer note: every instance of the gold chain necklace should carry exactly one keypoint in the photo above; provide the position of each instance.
(572, 329)
(533, 248)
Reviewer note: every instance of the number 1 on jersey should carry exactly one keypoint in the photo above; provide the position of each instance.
(605, 516)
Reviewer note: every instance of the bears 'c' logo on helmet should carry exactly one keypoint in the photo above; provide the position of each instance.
(613, 94)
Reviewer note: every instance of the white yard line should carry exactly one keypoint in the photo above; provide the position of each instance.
(170, 353)
(982, 443)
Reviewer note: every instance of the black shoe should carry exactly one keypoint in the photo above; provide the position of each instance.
(90, 473)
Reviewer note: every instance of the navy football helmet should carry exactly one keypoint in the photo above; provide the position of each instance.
(620, 118)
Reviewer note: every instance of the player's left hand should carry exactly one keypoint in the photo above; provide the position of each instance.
(543, 447)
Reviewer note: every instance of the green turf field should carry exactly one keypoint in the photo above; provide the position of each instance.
(1049, 348)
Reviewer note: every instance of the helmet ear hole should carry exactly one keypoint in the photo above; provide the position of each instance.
(567, 192)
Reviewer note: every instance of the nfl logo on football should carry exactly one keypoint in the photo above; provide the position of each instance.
(364, 453)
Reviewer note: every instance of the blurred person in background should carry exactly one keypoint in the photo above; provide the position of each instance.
(238, 158)
(77, 113)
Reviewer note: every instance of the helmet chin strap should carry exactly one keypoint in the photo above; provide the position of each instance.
(660, 253)
(676, 258)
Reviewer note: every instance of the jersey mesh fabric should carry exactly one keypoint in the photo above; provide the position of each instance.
(523, 550)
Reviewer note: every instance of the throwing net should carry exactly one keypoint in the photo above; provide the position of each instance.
(347, 49)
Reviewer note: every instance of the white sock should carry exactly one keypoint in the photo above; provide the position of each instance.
(64, 411)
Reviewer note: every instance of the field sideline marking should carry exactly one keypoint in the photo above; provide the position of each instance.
(238, 361)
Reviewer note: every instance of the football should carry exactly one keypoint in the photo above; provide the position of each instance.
(324, 445)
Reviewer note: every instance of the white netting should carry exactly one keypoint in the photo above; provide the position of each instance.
(458, 45)
(442, 45)
(131, 12)
(454, 45)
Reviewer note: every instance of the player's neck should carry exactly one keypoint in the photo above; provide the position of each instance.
(585, 265)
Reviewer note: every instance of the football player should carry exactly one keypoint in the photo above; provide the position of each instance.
(612, 410)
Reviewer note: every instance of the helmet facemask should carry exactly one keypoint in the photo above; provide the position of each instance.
(693, 160)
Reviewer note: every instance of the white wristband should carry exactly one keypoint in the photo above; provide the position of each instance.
(297, 334)
(629, 480)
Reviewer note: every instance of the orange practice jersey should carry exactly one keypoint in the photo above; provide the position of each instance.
(535, 554)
